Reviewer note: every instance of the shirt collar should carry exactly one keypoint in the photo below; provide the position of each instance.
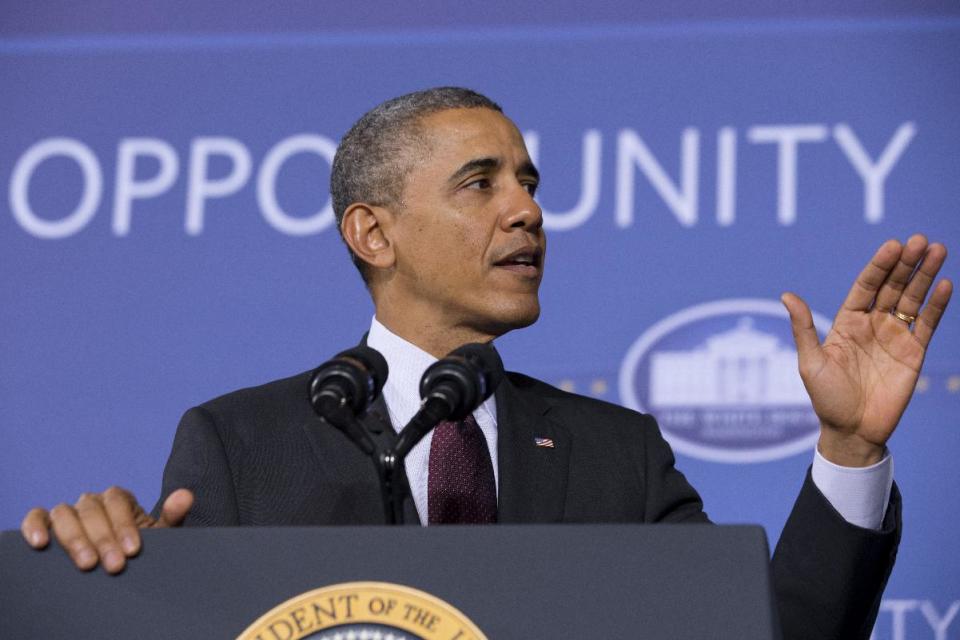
(407, 362)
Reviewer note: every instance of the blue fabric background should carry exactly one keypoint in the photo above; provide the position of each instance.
(107, 339)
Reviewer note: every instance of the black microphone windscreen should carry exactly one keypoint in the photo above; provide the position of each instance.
(485, 358)
(373, 362)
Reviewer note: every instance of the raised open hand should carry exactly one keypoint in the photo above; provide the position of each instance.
(862, 377)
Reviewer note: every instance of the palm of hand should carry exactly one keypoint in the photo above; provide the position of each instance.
(862, 377)
(869, 367)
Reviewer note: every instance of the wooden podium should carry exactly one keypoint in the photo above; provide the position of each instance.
(531, 582)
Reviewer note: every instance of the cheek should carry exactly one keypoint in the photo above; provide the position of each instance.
(465, 247)
(450, 247)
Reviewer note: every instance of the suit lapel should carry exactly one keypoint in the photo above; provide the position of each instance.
(376, 421)
(533, 479)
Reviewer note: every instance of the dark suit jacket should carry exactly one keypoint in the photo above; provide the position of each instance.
(260, 456)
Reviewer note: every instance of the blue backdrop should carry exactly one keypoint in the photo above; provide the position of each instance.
(165, 233)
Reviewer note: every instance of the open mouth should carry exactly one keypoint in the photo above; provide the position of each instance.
(526, 261)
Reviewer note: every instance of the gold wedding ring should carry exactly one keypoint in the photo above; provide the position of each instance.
(904, 317)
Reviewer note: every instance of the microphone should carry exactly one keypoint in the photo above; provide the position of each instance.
(343, 387)
(451, 389)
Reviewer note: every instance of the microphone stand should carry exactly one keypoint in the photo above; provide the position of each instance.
(392, 486)
(390, 461)
(344, 387)
(389, 468)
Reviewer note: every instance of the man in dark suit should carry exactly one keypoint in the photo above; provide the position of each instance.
(434, 195)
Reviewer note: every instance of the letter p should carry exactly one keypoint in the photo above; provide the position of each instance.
(201, 188)
(128, 188)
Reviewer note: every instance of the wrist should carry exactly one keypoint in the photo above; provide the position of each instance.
(848, 450)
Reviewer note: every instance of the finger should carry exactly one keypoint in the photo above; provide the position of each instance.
(912, 298)
(122, 511)
(865, 288)
(72, 537)
(96, 522)
(896, 282)
(930, 316)
(175, 508)
(36, 528)
(804, 333)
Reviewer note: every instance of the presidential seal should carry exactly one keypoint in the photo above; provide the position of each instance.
(363, 611)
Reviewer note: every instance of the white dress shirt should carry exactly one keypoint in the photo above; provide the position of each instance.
(407, 362)
(860, 495)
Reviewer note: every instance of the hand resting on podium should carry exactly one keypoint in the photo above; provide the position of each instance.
(102, 527)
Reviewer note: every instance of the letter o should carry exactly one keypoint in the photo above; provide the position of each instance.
(377, 606)
(266, 185)
(20, 185)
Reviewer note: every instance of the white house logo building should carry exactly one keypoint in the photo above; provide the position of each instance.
(721, 379)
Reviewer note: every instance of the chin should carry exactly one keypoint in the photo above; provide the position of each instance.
(517, 318)
(527, 319)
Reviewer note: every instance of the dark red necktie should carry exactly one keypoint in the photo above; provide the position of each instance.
(460, 484)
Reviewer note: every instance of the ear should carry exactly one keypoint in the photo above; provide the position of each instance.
(364, 230)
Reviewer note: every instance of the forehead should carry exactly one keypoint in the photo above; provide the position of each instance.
(455, 136)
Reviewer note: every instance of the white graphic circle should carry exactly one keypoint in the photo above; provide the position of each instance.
(734, 306)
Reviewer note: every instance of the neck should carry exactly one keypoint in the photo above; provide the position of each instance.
(436, 339)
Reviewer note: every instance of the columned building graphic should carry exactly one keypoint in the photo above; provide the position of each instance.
(742, 367)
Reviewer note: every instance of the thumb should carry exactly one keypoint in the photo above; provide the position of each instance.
(804, 332)
(175, 508)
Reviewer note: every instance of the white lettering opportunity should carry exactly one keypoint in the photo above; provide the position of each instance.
(267, 180)
(787, 138)
(897, 625)
(873, 174)
(635, 163)
(681, 199)
(201, 188)
(589, 182)
(20, 187)
(128, 188)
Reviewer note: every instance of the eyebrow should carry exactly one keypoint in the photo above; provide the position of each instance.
(528, 168)
(486, 164)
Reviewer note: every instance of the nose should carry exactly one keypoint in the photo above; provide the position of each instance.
(523, 212)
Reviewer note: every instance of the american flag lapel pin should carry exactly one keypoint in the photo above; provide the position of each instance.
(546, 443)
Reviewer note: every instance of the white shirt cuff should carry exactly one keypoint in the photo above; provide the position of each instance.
(859, 494)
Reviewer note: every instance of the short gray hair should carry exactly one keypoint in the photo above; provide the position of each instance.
(375, 154)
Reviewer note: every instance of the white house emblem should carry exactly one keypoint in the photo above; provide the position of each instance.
(721, 379)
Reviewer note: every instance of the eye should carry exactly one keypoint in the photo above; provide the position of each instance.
(531, 188)
(479, 183)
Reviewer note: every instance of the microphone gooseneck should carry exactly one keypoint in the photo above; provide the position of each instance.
(451, 389)
(343, 387)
